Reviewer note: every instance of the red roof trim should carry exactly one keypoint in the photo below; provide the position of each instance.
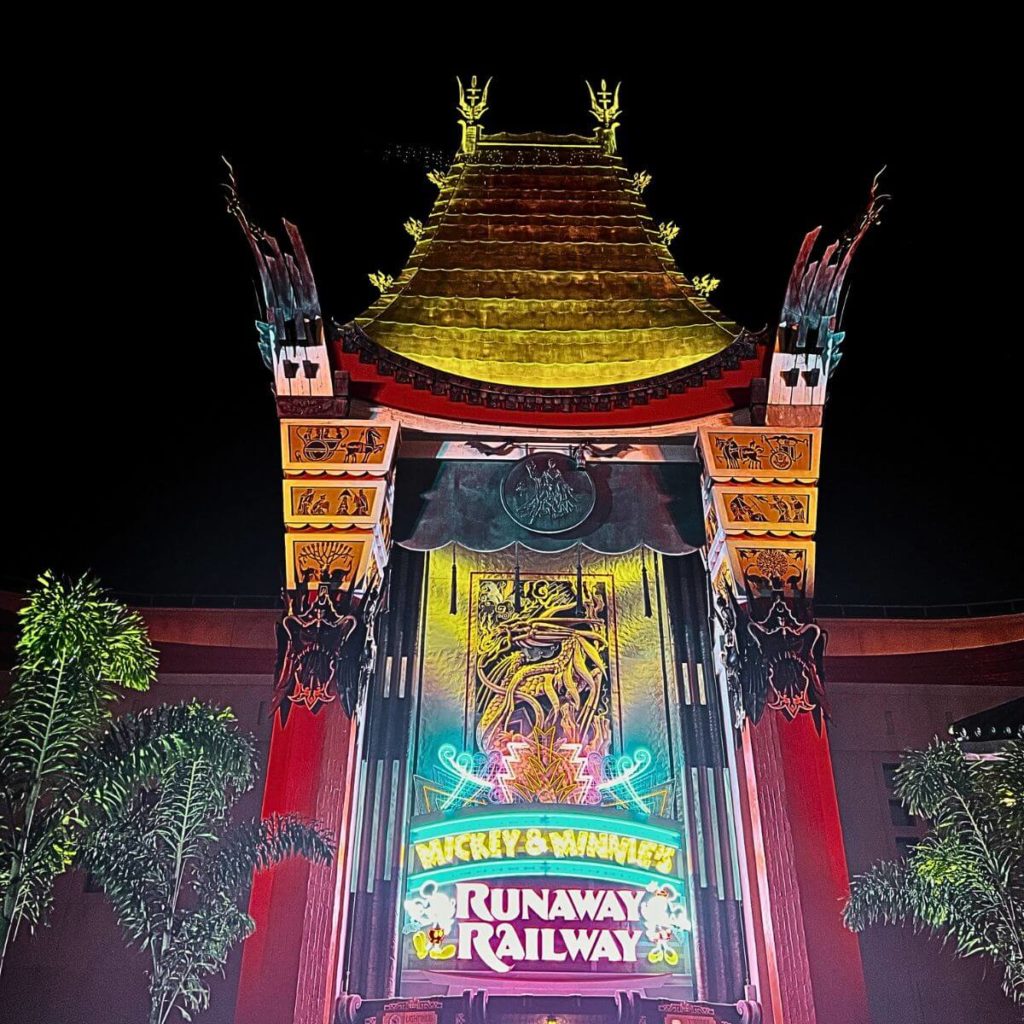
(715, 385)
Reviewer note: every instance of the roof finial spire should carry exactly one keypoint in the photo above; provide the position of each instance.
(604, 105)
(472, 106)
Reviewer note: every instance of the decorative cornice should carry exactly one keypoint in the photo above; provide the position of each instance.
(354, 341)
(328, 406)
(317, 407)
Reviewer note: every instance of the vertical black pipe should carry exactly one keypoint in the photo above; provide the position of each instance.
(579, 580)
(453, 604)
(372, 944)
(646, 583)
(720, 970)
(517, 597)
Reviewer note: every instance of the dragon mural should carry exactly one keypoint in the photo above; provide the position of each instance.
(541, 678)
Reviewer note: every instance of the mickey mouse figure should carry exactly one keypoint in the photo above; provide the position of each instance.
(432, 915)
(666, 919)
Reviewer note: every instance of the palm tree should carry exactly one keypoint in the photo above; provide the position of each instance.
(171, 862)
(965, 879)
(75, 647)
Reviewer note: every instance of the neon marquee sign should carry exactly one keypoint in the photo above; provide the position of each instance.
(530, 890)
(500, 927)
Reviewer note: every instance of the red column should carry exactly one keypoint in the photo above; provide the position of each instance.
(813, 968)
(289, 964)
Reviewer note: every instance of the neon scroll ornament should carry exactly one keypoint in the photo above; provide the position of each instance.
(633, 782)
(464, 775)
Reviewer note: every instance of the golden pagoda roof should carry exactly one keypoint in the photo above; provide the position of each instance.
(539, 266)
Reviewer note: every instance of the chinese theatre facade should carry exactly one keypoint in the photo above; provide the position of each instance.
(548, 669)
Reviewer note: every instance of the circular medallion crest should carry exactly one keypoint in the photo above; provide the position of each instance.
(547, 493)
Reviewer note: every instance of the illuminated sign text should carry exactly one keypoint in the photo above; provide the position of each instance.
(568, 843)
(487, 933)
(499, 927)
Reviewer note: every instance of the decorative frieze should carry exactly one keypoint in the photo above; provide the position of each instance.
(741, 454)
(758, 510)
(337, 446)
(332, 501)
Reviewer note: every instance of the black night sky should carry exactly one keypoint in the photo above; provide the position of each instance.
(143, 438)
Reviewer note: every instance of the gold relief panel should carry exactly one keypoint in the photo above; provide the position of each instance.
(333, 446)
(711, 524)
(749, 508)
(320, 557)
(385, 527)
(761, 453)
(382, 536)
(766, 567)
(721, 578)
(329, 500)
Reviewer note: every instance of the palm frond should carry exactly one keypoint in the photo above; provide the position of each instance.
(255, 845)
(890, 892)
(164, 852)
(107, 640)
(75, 644)
(965, 879)
(141, 747)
